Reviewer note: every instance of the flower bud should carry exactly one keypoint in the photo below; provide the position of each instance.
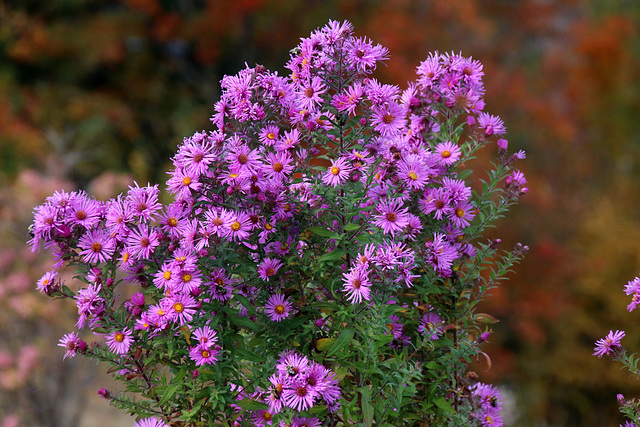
(104, 393)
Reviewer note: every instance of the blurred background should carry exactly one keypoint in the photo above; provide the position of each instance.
(97, 93)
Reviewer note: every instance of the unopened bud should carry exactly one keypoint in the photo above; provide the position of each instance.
(104, 393)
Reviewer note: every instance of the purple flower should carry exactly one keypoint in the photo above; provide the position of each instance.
(120, 341)
(356, 285)
(391, 216)
(71, 343)
(448, 152)
(388, 119)
(337, 173)
(633, 288)
(150, 422)
(610, 345)
(204, 355)
(492, 125)
(278, 307)
(96, 246)
(141, 242)
(269, 268)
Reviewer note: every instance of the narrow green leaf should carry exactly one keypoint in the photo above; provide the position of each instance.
(330, 256)
(343, 340)
(248, 355)
(367, 407)
(324, 232)
(351, 227)
(442, 403)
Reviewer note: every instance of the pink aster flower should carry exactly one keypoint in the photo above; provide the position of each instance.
(391, 216)
(204, 355)
(309, 96)
(278, 165)
(150, 422)
(120, 341)
(431, 326)
(269, 135)
(388, 119)
(71, 343)
(299, 396)
(268, 268)
(448, 152)
(240, 228)
(206, 336)
(633, 288)
(461, 214)
(96, 246)
(356, 285)
(47, 281)
(337, 173)
(141, 242)
(492, 125)
(278, 307)
(610, 345)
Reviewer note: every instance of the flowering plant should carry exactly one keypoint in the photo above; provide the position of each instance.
(321, 262)
(611, 346)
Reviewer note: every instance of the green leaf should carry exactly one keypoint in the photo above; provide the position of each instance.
(443, 404)
(168, 393)
(251, 405)
(330, 256)
(343, 340)
(244, 322)
(367, 407)
(248, 355)
(324, 232)
(351, 227)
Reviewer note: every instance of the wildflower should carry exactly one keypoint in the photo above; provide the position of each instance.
(47, 282)
(278, 307)
(448, 152)
(204, 355)
(337, 173)
(96, 246)
(299, 396)
(388, 119)
(120, 341)
(269, 268)
(391, 217)
(633, 288)
(431, 326)
(141, 242)
(206, 336)
(356, 285)
(610, 345)
(492, 125)
(150, 422)
(71, 343)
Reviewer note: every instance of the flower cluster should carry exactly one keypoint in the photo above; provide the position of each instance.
(490, 403)
(298, 384)
(611, 346)
(326, 219)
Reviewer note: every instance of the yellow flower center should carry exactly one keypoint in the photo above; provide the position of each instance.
(186, 277)
(271, 135)
(446, 154)
(413, 176)
(459, 213)
(172, 222)
(96, 247)
(235, 226)
(178, 307)
(279, 309)
(167, 275)
(335, 170)
(119, 337)
(277, 166)
(186, 180)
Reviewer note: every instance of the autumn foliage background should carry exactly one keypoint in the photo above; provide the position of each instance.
(96, 93)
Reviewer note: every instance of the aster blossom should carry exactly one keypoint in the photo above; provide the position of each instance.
(610, 345)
